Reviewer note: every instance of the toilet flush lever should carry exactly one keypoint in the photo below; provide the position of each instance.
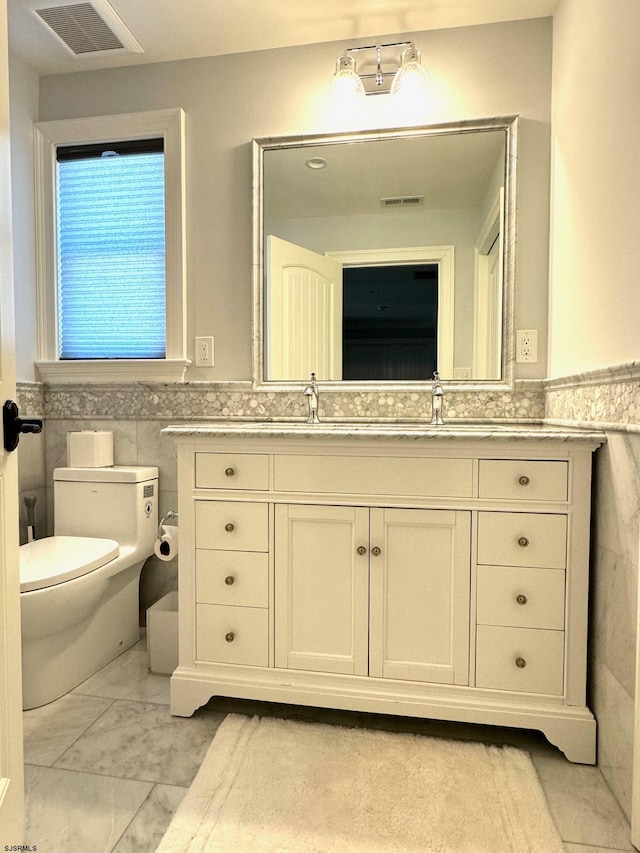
(13, 425)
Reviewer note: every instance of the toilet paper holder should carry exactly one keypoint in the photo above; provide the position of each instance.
(168, 517)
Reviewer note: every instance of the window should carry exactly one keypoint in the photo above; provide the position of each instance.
(111, 248)
(110, 231)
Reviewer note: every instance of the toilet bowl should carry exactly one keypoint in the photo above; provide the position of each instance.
(79, 589)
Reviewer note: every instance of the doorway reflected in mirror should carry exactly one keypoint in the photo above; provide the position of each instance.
(390, 326)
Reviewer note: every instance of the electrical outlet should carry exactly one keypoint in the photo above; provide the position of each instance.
(204, 352)
(527, 345)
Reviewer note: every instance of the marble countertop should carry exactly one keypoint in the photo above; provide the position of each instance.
(481, 431)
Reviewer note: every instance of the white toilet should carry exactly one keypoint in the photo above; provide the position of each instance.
(79, 589)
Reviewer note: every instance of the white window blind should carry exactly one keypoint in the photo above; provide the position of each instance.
(111, 253)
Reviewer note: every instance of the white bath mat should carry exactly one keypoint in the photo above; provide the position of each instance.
(278, 786)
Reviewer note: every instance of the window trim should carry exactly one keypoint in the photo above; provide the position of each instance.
(168, 124)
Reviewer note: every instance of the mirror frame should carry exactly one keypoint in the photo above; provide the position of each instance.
(508, 124)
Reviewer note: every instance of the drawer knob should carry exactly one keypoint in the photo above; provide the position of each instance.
(229, 580)
(521, 663)
(524, 480)
(523, 542)
(376, 551)
(230, 637)
(229, 472)
(521, 599)
(361, 550)
(229, 527)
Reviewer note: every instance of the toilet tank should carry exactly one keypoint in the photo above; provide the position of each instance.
(118, 503)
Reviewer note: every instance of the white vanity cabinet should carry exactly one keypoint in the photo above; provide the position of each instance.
(427, 572)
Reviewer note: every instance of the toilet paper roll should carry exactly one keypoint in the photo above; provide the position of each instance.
(166, 547)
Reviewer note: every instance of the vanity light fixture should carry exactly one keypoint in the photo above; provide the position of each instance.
(347, 89)
(403, 76)
(411, 79)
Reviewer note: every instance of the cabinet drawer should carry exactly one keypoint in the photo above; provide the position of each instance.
(522, 539)
(523, 598)
(375, 475)
(523, 480)
(525, 660)
(232, 634)
(232, 526)
(238, 578)
(232, 471)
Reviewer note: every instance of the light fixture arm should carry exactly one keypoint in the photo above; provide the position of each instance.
(376, 82)
(379, 74)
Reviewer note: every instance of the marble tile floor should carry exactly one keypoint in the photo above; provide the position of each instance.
(106, 766)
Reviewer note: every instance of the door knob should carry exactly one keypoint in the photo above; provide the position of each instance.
(13, 425)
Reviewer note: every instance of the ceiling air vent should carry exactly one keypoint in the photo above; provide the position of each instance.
(402, 201)
(87, 28)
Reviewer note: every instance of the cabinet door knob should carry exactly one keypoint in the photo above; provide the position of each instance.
(230, 637)
(229, 527)
(524, 480)
(521, 599)
(376, 551)
(361, 550)
(229, 580)
(521, 663)
(523, 542)
(229, 472)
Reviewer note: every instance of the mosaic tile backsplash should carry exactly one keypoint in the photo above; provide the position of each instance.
(194, 401)
(608, 398)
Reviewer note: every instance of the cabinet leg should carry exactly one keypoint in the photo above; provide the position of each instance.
(576, 738)
(188, 695)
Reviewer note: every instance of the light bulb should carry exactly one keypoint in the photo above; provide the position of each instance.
(346, 90)
(411, 81)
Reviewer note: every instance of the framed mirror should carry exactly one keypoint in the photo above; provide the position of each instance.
(383, 256)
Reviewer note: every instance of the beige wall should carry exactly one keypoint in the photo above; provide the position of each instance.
(24, 87)
(496, 69)
(595, 256)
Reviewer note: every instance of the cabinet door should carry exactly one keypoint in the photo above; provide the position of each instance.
(420, 595)
(322, 588)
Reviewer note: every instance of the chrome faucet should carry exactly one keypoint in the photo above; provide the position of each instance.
(312, 394)
(437, 393)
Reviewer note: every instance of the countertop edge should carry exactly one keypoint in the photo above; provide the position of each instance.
(385, 431)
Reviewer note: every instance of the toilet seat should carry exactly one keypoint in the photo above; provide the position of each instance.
(55, 559)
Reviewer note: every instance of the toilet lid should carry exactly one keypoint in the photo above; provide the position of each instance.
(50, 561)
